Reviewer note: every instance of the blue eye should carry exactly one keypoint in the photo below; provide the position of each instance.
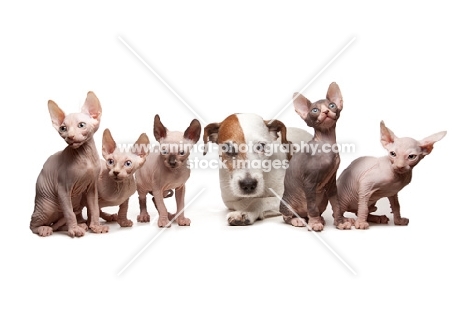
(81, 125)
(128, 163)
(63, 128)
(412, 156)
(110, 161)
(315, 110)
(332, 106)
(393, 154)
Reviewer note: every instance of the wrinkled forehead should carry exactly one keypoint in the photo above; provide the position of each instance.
(321, 102)
(243, 128)
(406, 144)
(176, 141)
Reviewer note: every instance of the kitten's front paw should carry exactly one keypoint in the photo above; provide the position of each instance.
(345, 225)
(125, 222)
(83, 226)
(239, 219)
(298, 222)
(164, 221)
(76, 231)
(361, 224)
(99, 228)
(182, 221)
(143, 217)
(316, 226)
(44, 231)
(401, 221)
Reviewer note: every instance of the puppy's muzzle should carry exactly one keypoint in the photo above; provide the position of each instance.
(248, 185)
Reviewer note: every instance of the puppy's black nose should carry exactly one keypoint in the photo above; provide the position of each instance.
(248, 185)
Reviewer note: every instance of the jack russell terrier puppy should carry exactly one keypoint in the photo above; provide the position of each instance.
(253, 160)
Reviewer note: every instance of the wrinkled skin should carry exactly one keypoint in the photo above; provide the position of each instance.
(68, 177)
(165, 170)
(310, 180)
(368, 179)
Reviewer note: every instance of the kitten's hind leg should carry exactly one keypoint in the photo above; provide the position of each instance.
(42, 219)
(377, 219)
(108, 217)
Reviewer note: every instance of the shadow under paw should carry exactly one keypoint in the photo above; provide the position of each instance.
(239, 219)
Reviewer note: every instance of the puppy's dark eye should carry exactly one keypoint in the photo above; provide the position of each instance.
(128, 163)
(110, 161)
(412, 156)
(393, 154)
(164, 151)
(315, 110)
(332, 105)
(230, 149)
(63, 128)
(81, 125)
(260, 147)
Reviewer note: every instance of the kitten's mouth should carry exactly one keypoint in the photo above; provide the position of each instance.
(401, 170)
(75, 144)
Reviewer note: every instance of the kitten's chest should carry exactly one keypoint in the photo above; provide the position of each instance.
(115, 193)
(391, 186)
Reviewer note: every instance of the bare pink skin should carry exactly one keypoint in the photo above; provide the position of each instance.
(70, 176)
(310, 180)
(167, 169)
(117, 180)
(368, 179)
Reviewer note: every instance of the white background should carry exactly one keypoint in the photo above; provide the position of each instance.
(407, 66)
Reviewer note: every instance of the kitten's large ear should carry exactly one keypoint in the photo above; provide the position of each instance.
(92, 106)
(275, 126)
(301, 105)
(108, 143)
(386, 135)
(210, 133)
(193, 131)
(427, 144)
(334, 95)
(56, 114)
(159, 130)
(141, 146)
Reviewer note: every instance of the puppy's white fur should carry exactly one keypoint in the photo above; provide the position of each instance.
(259, 202)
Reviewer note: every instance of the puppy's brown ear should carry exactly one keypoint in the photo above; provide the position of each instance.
(210, 133)
(275, 126)
(193, 131)
(159, 130)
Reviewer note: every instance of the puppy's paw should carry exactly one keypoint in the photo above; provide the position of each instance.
(125, 222)
(164, 221)
(239, 219)
(298, 222)
(99, 228)
(182, 221)
(401, 221)
(76, 231)
(44, 231)
(361, 224)
(143, 217)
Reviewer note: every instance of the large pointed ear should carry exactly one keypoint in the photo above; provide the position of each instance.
(427, 144)
(386, 135)
(334, 95)
(141, 146)
(159, 130)
(301, 105)
(92, 106)
(210, 133)
(108, 143)
(193, 131)
(56, 114)
(275, 126)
